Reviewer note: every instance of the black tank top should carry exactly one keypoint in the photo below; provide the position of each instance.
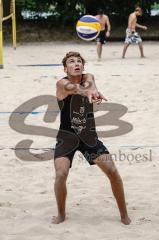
(77, 117)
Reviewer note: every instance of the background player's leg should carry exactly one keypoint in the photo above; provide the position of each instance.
(99, 50)
(141, 50)
(126, 45)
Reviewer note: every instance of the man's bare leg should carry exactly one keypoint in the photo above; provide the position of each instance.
(99, 50)
(62, 166)
(106, 164)
(141, 50)
(126, 45)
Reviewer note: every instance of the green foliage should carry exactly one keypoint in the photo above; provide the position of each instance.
(155, 6)
(67, 11)
(33, 5)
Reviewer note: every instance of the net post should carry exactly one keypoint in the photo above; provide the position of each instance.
(13, 23)
(1, 34)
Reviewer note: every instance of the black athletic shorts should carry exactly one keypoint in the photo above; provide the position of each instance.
(67, 147)
(101, 37)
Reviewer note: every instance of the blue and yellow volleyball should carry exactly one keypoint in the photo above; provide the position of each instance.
(88, 27)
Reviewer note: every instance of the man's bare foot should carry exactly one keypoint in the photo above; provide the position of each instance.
(126, 220)
(58, 219)
(123, 57)
(142, 56)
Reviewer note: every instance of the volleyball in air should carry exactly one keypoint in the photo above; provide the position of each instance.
(88, 27)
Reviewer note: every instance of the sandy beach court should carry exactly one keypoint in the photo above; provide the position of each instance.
(27, 201)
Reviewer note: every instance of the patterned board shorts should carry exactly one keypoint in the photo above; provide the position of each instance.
(132, 37)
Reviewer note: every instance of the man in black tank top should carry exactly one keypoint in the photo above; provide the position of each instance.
(76, 94)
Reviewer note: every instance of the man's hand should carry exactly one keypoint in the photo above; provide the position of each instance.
(107, 34)
(144, 28)
(95, 97)
(91, 91)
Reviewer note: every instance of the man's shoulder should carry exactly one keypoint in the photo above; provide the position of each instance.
(105, 16)
(88, 77)
(61, 82)
(132, 15)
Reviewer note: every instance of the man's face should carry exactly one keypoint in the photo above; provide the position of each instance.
(74, 66)
(139, 13)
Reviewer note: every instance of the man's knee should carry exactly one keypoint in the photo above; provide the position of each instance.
(61, 175)
(126, 45)
(111, 169)
(115, 177)
(106, 163)
(99, 44)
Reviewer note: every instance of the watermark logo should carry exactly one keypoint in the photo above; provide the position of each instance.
(111, 117)
(120, 156)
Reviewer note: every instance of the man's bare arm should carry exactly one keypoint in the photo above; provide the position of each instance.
(89, 81)
(108, 24)
(141, 26)
(93, 94)
(65, 87)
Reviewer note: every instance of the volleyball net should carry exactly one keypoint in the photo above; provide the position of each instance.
(7, 11)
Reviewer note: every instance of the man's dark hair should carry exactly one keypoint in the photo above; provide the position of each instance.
(100, 11)
(138, 9)
(72, 54)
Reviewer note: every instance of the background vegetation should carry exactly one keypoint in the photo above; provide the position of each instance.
(56, 19)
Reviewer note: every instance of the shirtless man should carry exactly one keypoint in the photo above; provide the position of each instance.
(131, 35)
(75, 94)
(105, 23)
